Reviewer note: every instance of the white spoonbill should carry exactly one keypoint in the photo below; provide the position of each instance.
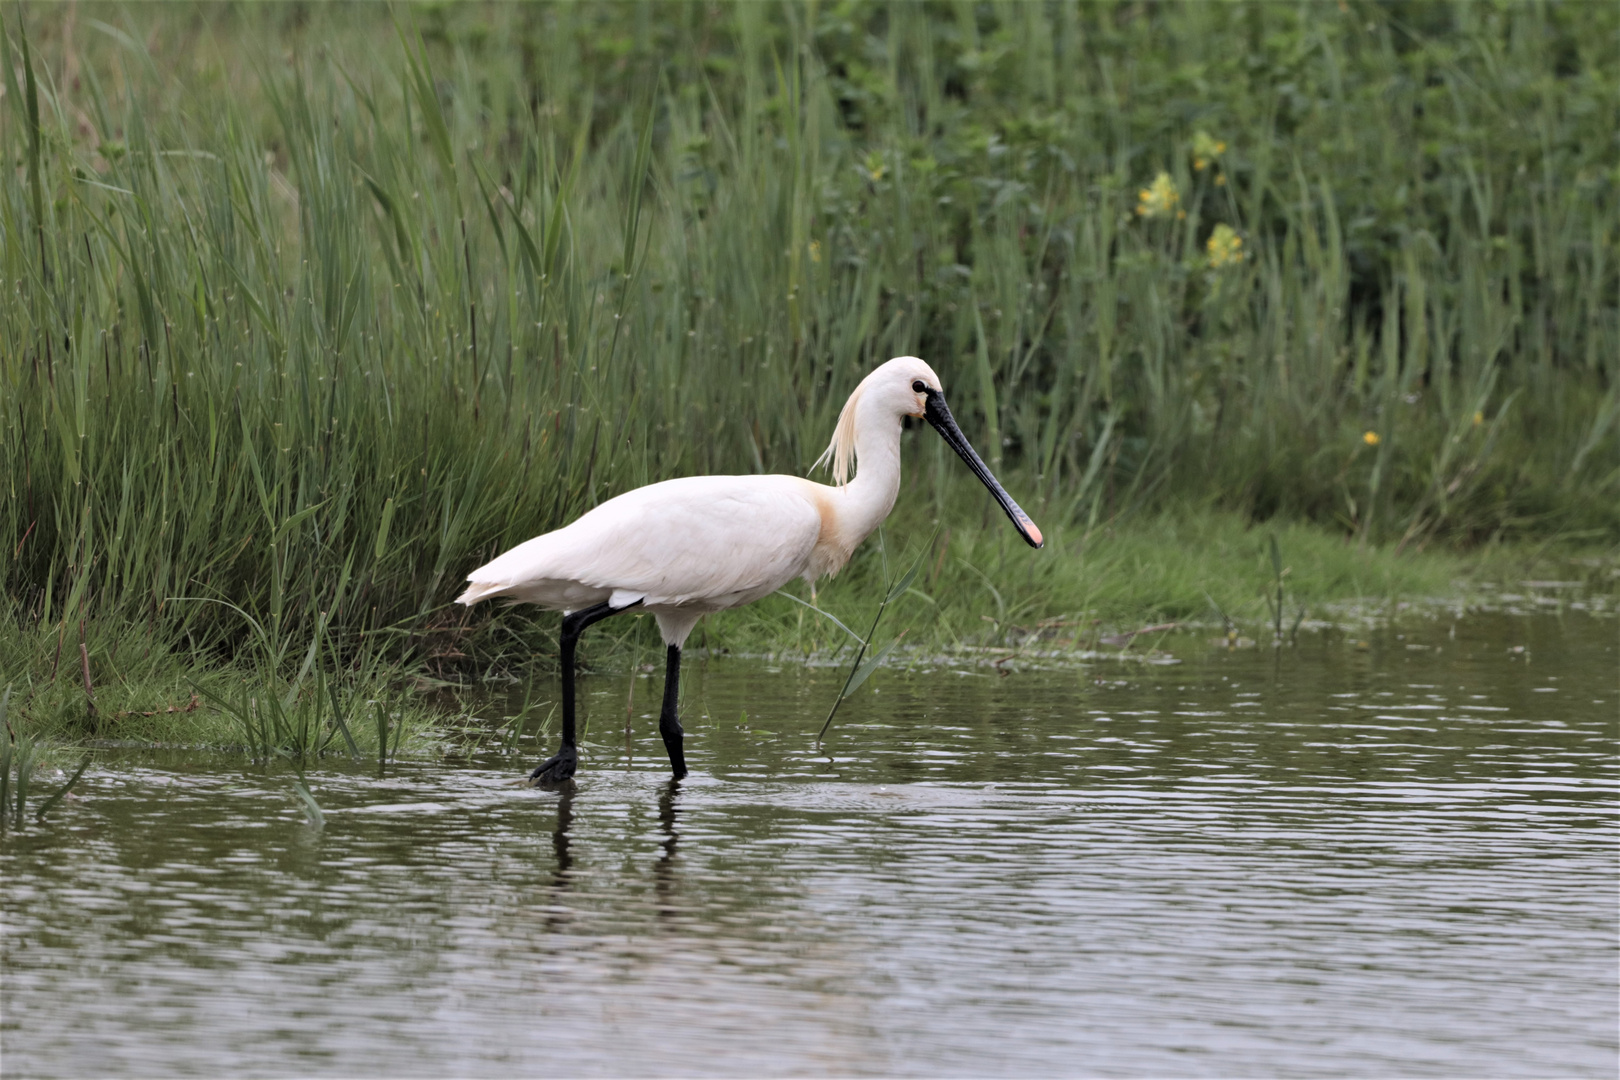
(686, 547)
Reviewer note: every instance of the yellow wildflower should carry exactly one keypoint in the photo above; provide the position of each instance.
(1479, 418)
(1225, 247)
(1206, 149)
(815, 251)
(1159, 198)
(1370, 438)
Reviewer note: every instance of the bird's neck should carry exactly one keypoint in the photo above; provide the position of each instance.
(870, 496)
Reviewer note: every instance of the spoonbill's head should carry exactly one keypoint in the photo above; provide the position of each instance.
(906, 386)
(899, 387)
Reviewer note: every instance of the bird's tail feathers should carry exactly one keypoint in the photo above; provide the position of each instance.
(481, 590)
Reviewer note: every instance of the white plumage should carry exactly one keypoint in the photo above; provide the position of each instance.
(683, 548)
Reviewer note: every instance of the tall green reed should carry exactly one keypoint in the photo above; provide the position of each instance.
(312, 313)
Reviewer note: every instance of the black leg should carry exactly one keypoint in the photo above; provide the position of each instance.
(556, 770)
(669, 723)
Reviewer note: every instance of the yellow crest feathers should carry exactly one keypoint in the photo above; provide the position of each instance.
(840, 453)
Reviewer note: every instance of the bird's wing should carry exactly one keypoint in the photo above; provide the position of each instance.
(714, 540)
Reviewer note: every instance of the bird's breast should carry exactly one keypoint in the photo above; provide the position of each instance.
(833, 545)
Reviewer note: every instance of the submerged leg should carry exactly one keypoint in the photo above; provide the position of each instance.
(555, 770)
(669, 723)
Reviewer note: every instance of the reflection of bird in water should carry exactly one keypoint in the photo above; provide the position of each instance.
(559, 837)
(556, 914)
(665, 869)
(686, 547)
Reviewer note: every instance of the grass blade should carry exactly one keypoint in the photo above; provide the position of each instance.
(45, 807)
(312, 809)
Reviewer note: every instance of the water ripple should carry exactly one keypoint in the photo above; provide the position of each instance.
(1236, 866)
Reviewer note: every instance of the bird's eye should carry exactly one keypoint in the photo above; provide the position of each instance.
(920, 387)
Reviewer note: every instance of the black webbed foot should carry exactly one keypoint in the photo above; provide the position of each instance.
(556, 771)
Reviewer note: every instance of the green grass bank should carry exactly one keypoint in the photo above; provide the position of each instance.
(308, 309)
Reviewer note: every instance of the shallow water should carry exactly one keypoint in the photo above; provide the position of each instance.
(1391, 855)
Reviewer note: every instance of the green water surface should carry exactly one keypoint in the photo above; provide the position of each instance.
(1379, 852)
